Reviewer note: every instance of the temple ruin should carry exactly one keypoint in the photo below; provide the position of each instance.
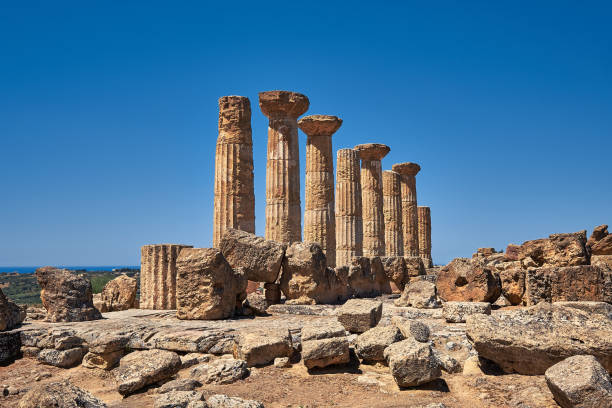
(392, 210)
(410, 217)
(425, 235)
(349, 222)
(158, 276)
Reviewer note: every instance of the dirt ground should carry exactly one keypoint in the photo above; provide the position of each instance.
(348, 386)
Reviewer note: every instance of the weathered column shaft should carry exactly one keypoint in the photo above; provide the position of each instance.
(283, 209)
(410, 218)
(349, 223)
(392, 209)
(158, 276)
(319, 219)
(425, 235)
(234, 205)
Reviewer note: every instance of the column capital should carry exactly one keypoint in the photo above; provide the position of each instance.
(406, 169)
(283, 103)
(372, 151)
(320, 125)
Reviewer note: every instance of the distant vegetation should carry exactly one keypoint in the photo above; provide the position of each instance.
(23, 288)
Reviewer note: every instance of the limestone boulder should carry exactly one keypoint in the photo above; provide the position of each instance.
(207, 288)
(180, 384)
(530, 340)
(221, 371)
(411, 328)
(10, 345)
(306, 279)
(62, 358)
(572, 283)
(260, 259)
(322, 330)
(257, 303)
(580, 381)
(600, 242)
(412, 363)
(223, 401)
(119, 293)
(394, 268)
(465, 280)
(602, 260)
(382, 282)
(557, 250)
(325, 352)
(513, 284)
(420, 294)
(142, 368)
(359, 315)
(105, 361)
(601, 308)
(11, 315)
(66, 296)
(370, 345)
(414, 266)
(362, 279)
(99, 303)
(457, 312)
(262, 347)
(59, 395)
(179, 399)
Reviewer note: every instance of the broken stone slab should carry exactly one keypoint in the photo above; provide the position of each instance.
(109, 342)
(257, 303)
(457, 312)
(260, 259)
(420, 294)
(207, 288)
(362, 278)
(104, 361)
(10, 345)
(370, 345)
(412, 363)
(223, 401)
(325, 352)
(530, 340)
(568, 249)
(466, 280)
(66, 296)
(411, 328)
(178, 399)
(180, 384)
(571, 283)
(59, 394)
(119, 294)
(141, 368)
(602, 308)
(191, 359)
(359, 315)
(262, 347)
(322, 330)
(11, 315)
(513, 284)
(580, 381)
(221, 371)
(62, 358)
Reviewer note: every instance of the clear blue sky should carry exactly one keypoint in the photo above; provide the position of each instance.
(108, 114)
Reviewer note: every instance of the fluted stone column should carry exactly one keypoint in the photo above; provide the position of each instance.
(158, 276)
(372, 198)
(234, 205)
(349, 223)
(425, 235)
(283, 210)
(410, 218)
(392, 209)
(319, 220)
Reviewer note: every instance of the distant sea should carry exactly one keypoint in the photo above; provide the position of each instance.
(32, 269)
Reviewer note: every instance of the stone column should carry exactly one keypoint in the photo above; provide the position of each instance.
(283, 210)
(234, 205)
(372, 198)
(319, 220)
(158, 276)
(425, 235)
(410, 218)
(392, 209)
(349, 224)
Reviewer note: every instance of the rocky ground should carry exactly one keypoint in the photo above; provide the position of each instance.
(349, 385)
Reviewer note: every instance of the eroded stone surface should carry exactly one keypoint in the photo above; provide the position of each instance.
(457, 312)
(371, 344)
(348, 207)
(557, 250)
(119, 293)
(61, 395)
(359, 315)
(158, 276)
(141, 368)
(412, 363)
(410, 217)
(262, 347)
(11, 315)
(464, 280)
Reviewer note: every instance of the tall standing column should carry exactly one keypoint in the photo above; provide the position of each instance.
(158, 276)
(392, 209)
(425, 235)
(349, 224)
(283, 210)
(410, 218)
(372, 198)
(234, 205)
(319, 219)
